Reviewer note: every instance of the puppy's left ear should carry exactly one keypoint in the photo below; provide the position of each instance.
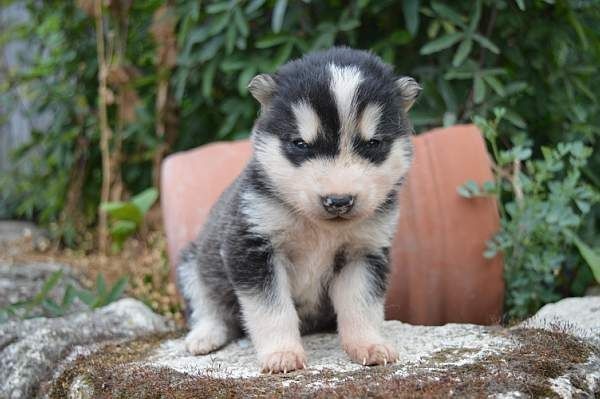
(262, 87)
(409, 91)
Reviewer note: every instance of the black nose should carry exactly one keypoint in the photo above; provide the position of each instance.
(338, 204)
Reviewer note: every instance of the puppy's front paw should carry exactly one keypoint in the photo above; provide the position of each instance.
(371, 354)
(203, 340)
(283, 362)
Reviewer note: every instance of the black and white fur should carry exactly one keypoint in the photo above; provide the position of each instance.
(279, 256)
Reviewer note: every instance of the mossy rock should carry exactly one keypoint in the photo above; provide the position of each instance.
(459, 360)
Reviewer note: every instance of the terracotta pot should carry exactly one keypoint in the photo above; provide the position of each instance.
(439, 274)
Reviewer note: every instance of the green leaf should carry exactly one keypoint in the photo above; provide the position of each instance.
(489, 253)
(494, 84)
(48, 285)
(283, 54)
(208, 77)
(591, 256)
(123, 211)
(271, 40)
(241, 23)
(69, 296)
(520, 4)
(469, 189)
(254, 5)
(230, 37)
(515, 119)
(145, 199)
(447, 94)
(489, 187)
(100, 284)
(210, 49)
(464, 192)
(122, 229)
(446, 12)
(410, 9)
(323, 41)
(449, 119)
(218, 7)
(475, 17)
(198, 35)
(218, 23)
(52, 307)
(486, 43)
(464, 49)
(348, 24)
(578, 29)
(441, 43)
(478, 90)
(232, 64)
(278, 15)
(116, 291)
(86, 296)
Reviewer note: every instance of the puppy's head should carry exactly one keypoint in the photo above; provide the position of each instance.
(333, 137)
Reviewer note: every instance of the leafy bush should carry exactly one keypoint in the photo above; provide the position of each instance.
(542, 207)
(127, 216)
(537, 59)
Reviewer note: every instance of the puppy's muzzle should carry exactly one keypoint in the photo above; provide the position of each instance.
(338, 204)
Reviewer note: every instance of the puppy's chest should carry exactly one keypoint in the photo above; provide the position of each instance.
(312, 256)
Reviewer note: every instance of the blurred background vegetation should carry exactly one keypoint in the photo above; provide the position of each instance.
(124, 83)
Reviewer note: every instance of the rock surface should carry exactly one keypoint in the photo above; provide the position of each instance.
(582, 315)
(31, 350)
(17, 230)
(126, 350)
(11, 230)
(461, 360)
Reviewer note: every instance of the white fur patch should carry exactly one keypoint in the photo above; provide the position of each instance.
(369, 121)
(359, 315)
(194, 290)
(345, 81)
(208, 331)
(307, 121)
(273, 325)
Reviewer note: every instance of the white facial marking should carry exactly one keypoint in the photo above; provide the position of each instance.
(307, 121)
(345, 81)
(369, 121)
(301, 186)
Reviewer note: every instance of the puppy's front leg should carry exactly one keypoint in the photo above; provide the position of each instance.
(273, 323)
(357, 293)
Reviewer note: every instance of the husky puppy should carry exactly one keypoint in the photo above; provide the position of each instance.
(300, 241)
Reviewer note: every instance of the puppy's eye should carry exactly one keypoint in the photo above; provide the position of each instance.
(300, 144)
(373, 143)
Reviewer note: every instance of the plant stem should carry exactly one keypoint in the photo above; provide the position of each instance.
(105, 132)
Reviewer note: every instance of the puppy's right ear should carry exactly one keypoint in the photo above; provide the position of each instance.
(262, 87)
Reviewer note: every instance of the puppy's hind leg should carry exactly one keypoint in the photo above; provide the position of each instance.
(207, 318)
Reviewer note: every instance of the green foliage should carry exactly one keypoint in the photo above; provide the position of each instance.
(58, 81)
(543, 207)
(100, 296)
(126, 217)
(537, 59)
